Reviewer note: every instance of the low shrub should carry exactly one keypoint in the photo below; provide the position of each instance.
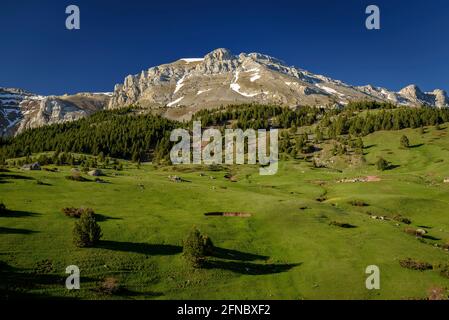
(444, 270)
(76, 212)
(409, 263)
(358, 203)
(438, 293)
(86, 231)
(110, 286)
(3, 209)
(382, 164)
(44, 266)
(402, 219)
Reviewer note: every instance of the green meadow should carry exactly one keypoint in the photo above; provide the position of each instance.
(287, 249)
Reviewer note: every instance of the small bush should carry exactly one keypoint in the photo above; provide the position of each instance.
(76, 212)
(402, 219)
(437, 293)
(196, 247)
(341, 224)
(86, 231)
(358, 203)
(3, 209)
(382, 164)
(415, 265)
(44, 266)
(405, 143)
(110, 286)
(444, 270)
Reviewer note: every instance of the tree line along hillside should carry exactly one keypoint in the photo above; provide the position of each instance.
(120, 134)
(128, 134)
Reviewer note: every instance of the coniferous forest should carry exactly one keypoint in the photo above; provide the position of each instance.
(131, 134)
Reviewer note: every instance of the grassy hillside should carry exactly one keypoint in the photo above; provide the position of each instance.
(287, 249)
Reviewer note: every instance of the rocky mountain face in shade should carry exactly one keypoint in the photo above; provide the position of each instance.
(21, 110)
(221, 78)
(179, 89)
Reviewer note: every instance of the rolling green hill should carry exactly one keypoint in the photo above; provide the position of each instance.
(287, 249)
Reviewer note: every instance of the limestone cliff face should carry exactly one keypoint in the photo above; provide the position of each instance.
(221, 78)
(21, 110)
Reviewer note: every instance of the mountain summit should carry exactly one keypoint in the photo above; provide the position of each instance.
(221, 78)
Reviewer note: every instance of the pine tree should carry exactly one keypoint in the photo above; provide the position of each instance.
(405, 143)
(382, 164)
(86, 231)
(194, 248)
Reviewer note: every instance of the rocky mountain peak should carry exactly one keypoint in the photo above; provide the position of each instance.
(221, 78)
(220, 54)
(441, 98)
(412, 91)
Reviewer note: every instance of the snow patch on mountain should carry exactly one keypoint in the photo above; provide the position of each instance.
(202, 91)
(191, 60)
(179, 84)
(171, 104)
(236, 87)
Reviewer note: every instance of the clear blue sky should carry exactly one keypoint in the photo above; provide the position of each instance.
(118, 38)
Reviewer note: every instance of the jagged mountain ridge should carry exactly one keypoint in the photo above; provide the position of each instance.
(221, 78)
(185, 86)
(21, 110)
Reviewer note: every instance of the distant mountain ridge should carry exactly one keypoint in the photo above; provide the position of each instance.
(185, 86)
(21, 110)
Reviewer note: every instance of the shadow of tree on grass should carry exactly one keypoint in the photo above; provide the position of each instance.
(11, 176)
(239, 262)
(141, 248)
(5, 230)
(249, 268)
(229, 254)
(429, 237)
(17, 283)
(19, 214)
(102, 218)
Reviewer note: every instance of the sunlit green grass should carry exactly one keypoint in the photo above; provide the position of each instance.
(295, 253)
